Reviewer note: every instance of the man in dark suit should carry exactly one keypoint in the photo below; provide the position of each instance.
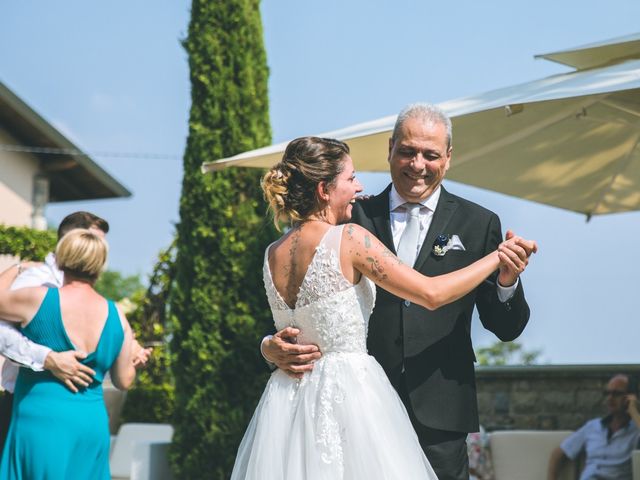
(428, 355)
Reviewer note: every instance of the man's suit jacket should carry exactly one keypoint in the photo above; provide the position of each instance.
(435, 346)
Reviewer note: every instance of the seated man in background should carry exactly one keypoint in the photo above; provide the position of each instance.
(608, 441)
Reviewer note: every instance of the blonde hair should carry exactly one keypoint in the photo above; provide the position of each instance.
(290, 186)
(82, 253)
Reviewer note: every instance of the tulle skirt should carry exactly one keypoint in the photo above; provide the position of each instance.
(343, 420)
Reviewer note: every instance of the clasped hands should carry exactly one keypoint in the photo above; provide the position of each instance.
(514, 255)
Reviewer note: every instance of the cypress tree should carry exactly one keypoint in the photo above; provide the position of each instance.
(219, 307)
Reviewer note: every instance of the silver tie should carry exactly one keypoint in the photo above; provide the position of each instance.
(408, 244)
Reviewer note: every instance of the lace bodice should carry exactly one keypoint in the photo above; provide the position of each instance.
(321, 416)
(330, 311)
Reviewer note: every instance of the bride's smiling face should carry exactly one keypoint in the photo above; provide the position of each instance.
(342, 193)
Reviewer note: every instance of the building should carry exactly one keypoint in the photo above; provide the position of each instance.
(38, 165)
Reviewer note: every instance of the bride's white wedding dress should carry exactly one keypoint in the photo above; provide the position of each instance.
(343, 420)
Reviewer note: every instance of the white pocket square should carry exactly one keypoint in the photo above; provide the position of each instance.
(456, 243)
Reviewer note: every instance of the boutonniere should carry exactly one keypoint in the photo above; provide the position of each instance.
(441, 245)
(444, 243)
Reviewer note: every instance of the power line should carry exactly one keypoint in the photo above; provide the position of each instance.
(78, 153)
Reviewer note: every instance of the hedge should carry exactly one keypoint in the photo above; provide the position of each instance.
(26, 243)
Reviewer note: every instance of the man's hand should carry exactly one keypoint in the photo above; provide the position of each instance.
(66, 368)
(139, 354)
(288, 356)
(632, 408)
(514, 255)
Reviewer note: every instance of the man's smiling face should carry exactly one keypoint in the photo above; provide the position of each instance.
(419, 158)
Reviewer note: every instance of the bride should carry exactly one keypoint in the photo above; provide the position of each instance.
(342, 420)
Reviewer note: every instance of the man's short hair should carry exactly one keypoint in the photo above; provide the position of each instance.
(426, 112)
(81, 220)
(632, 383)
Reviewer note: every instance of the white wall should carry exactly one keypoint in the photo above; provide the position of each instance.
(16, 183)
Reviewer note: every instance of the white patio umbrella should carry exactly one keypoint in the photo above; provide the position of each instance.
(569, 140)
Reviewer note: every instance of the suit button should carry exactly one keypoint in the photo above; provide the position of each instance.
(399, 340)
(407, 303)
(507, 306)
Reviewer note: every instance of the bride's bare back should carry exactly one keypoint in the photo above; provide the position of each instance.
(290, 257)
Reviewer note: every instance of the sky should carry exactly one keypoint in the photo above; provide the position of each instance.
(113, 77)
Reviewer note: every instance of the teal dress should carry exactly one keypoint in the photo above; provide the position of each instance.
(56, 434)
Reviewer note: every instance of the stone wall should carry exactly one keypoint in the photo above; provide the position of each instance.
(544, 397)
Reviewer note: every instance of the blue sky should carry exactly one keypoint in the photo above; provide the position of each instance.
(114, 78)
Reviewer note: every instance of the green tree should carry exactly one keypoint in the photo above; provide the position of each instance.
(116, 286)
(153, 398)
(219, 308)
(507, 353)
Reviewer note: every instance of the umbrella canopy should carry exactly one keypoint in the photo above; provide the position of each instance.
(570, 140)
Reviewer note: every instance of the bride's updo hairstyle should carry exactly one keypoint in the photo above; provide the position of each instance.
(290, 186)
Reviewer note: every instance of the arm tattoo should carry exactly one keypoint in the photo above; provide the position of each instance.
(377, 270)
(367, 241)
(389, 254)
(350, 231)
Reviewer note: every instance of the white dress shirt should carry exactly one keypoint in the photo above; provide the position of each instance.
(14, 345)
(399, 217)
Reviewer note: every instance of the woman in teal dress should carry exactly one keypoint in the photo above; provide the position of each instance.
(56, 434)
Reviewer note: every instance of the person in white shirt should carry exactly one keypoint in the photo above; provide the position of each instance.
(18, 351)
(607, 442)
(21, 351)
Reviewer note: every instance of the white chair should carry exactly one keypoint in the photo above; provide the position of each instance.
(524, 454)
(140, 452)
(151, 461)
(635, 464)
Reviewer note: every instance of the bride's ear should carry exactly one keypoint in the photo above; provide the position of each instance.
(322, 191)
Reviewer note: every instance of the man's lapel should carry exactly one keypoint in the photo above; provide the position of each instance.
(445, 209)
(381, 218)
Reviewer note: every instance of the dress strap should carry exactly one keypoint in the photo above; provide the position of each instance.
(275, 300)
(333, 239)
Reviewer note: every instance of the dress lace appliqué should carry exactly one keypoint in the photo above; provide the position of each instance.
(324, 277)
(332, 313)
(343, 419)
